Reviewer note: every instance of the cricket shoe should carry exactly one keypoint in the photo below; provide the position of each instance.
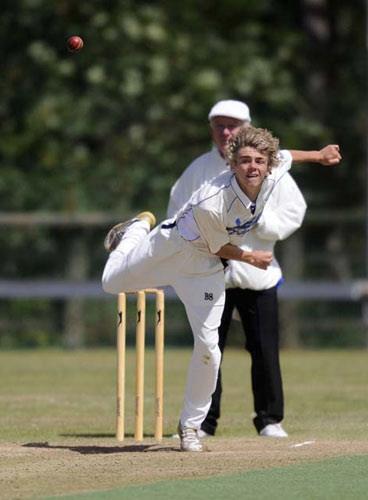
(116, 233)
(189, 440)
(273, 430)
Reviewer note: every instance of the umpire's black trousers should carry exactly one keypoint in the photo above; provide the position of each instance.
(258, 311)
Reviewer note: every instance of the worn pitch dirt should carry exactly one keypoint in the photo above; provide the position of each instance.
(86, 464)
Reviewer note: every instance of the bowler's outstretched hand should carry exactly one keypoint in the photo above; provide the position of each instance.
(330, 155)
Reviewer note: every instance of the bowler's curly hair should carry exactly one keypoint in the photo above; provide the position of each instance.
(260, 139)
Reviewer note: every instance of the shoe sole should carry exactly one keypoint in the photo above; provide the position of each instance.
(109, 242)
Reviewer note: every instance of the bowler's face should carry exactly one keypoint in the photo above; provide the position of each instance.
(223, 128)
(250, 168)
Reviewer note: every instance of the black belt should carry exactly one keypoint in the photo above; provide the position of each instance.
(169, 226)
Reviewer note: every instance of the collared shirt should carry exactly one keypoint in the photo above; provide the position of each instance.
(281, 216)
(220, 212)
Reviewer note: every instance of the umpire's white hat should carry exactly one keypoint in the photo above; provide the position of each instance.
(231, 109)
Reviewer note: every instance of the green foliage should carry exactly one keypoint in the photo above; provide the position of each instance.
(119, 120)
(110, 128)
(29, 324)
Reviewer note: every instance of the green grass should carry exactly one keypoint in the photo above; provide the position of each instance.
(66, 400)
(337, 479)
(48, 393)
(53, 392)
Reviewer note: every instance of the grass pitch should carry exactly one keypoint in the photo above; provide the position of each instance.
(57, 420)
(339, 479)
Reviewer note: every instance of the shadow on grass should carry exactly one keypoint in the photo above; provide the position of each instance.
(100, 450)
(96, 436)
(107, 435)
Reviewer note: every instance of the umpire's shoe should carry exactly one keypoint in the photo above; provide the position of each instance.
(115, 235)
(273, 430)
(189, 440)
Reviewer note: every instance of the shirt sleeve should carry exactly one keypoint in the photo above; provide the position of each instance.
(211, 227)
(285, 162)
(284, 211)
(190, 180)
(174, 203)
(179, 195)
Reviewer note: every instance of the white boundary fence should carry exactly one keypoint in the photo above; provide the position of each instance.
(62, 289)
(76, 287)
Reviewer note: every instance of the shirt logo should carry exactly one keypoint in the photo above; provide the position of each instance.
(208, 296)
(241, 229)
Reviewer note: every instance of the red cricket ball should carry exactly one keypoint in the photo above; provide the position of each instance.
(74, 43)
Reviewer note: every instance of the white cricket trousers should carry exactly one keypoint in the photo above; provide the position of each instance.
(162, 257)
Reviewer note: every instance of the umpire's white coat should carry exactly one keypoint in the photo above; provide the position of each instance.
(182, 256)
(282, 215)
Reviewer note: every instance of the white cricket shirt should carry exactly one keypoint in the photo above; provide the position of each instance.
(277, 219)
(199, 172)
